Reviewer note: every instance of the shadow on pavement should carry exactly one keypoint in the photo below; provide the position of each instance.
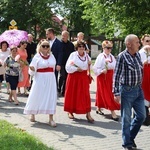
(69, 130)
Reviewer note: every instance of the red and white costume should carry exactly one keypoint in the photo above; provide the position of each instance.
(77, 95)
(43, 94)
(104, 95)
(146, 76)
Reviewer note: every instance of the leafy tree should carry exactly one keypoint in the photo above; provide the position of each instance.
(110, 16)
(27, 14)
(73, 11)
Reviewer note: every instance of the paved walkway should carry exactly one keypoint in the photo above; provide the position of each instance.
(78, 134)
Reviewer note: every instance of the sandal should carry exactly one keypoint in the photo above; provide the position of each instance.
(10, 100)
(16, 102)
(32, 119)
(52, 123)
(70, 116)
(8, 92)
(19, 93)
(25, 94)
(90, 119)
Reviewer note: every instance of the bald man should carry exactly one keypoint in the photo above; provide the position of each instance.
(127, 89)
(68, 48)
(31, 48)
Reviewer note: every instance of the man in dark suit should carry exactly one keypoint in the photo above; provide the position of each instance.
(56, 48)
(31, 48)
(68, 48)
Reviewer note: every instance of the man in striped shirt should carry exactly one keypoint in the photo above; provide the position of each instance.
(127, 89)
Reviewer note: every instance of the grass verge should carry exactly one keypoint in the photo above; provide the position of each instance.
(12, 138)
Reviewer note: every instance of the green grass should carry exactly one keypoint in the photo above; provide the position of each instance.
(12, 138)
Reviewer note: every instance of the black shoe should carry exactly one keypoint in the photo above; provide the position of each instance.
(128, 148)
(147, 121)
(115, 119)
(99, 112)
(134, 146)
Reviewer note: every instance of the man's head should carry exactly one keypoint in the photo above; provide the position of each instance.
(80, 36)
(50, 33)
(30, 38)
(132, 43)
(65, 36)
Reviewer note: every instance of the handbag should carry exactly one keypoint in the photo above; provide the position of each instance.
(20, 75)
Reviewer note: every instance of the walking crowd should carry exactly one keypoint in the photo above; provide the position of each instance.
(54, 68)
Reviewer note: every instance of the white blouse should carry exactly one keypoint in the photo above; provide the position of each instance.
(144, 56)
(104, 61)
(38, 62)
(75, 60)
(4, 55)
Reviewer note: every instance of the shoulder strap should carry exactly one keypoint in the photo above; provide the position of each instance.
(88, 65)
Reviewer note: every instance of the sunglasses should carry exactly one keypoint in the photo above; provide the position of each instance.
(81, 46)
(108, 47)
(45, 46)
(147, 41)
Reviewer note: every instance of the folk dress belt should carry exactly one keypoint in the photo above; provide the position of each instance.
(45, 70)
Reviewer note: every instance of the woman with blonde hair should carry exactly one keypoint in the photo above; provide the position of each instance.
(43, 93)
(103, 68)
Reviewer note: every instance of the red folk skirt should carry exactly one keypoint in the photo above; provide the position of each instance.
(77, 95)
(104, 95)
(146, 82)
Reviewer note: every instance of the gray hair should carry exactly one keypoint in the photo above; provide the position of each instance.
(129, 38)
(80, 33)
(65, 32)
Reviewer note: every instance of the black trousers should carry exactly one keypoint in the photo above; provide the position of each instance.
(62, 80)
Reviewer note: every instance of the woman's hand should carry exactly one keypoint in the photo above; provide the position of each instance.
(89, 62)
(79, 69)
(145, 62)
(32, 68)
(117, 99)
(104, 71)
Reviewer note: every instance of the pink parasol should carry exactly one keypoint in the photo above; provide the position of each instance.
(13, 37)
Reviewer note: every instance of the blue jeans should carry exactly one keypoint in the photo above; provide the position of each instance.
(131, 97)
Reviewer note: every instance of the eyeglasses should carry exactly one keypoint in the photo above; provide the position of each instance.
(147, 41)
(108, 47)
(45, 46)
(81, 46)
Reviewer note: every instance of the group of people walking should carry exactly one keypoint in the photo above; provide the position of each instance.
(122, 83)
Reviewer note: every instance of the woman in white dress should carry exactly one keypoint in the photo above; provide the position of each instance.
(4, 53)
(43, 94)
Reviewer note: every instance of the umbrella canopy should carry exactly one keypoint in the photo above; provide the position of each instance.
(13, 37)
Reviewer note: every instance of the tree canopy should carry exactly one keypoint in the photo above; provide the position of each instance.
(27, 14)
(112, 18)
(117, 16)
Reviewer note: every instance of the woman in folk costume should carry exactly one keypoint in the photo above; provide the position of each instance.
(43, 95)
(77, 95)
(145, 57)
(103, 69)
